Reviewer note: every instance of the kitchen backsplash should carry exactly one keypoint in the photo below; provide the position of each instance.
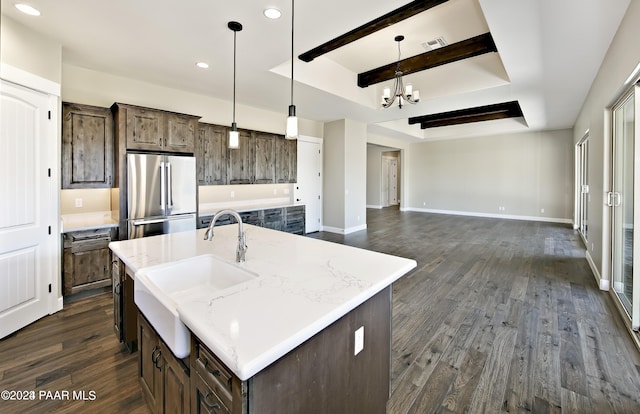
(85, 200)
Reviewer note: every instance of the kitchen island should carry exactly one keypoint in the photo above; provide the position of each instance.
(288, 336)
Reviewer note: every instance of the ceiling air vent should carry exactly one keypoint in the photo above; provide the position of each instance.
(436, 43)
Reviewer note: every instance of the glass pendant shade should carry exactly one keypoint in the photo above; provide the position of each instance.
(234, 137)
(292, 124)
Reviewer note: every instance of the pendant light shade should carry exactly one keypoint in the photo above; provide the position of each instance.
(234, 135)
(292, 120)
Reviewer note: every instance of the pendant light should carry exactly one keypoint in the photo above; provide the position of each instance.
(234, 135)
(292, 120)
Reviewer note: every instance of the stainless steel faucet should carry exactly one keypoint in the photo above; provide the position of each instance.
(242, 243)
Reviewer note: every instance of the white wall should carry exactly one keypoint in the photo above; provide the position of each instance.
(621, 59)
(525, 173)
(345, 175)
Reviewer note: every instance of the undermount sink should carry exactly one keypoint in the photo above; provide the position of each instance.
(157, 290)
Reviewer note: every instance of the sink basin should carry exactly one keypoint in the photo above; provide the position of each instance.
(158, 289)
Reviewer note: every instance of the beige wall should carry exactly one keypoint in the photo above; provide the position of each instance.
(524, 173)
(619, 62)
(333, 184)
(355, 175)
(24, 49)
(374, 175)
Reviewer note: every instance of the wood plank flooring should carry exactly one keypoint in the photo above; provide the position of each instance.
(499, 316)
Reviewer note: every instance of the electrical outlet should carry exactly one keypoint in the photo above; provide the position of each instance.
(358, 341)
(78, 202)
(275, 191)
(542, 210)
(233, 194)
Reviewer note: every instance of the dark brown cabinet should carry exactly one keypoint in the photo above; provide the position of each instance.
(86, 260)
(87, 146)
(286, 161)
(164, 379)
(211, 151)
(125, 321)
(290, 219)
(240, 161)
(264, 158)
(147, 129)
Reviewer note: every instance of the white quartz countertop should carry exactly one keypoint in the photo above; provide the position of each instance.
(303, 286)
(87, 221)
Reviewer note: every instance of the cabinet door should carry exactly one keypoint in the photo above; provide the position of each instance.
(149, 364)
(211, 155)
(286, 160)
(240, 161)
(175, 383)
(145, 129)
(87, 146)
(272, 218)
(180, 134)
(265, 159)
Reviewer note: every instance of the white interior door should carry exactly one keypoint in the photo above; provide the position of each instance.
(308, 189)
(393, 182)
(385, 182)
(28, 206)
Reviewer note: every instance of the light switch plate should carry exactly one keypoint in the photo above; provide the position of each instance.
(359, 341)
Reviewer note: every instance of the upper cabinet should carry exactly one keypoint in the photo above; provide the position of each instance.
(148, 129)
(240, 160)
(211, 154)
(286, 161)
(265, 158)
(87, 146)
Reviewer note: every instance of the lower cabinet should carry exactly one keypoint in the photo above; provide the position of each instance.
(164, 379)
(125, 321)
(289, 219)
(86, 260)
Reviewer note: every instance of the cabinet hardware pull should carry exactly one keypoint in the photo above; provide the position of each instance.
(156, 357)
(215, 372)
(215, 405)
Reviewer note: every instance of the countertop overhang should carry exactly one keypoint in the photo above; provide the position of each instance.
(303, 286)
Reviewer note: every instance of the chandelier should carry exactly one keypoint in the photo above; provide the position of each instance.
(401, 93)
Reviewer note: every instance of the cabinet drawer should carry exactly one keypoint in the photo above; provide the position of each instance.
(205, 400)
(215, 374)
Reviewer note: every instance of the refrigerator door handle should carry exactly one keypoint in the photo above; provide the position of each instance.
(150, 221)
(163, 187)
(169, 186)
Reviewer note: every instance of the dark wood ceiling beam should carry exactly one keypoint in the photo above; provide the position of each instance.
(465, 49)
(391, 18)
(464, 116)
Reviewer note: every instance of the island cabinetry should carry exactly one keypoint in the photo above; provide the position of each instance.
(86, 260)
(149, 129)
(211, 151)
(87, 146)
(124, 308)
(214, 389)
(286, 161)
(325, 374)
(164, 379)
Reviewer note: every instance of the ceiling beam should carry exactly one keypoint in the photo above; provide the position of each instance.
(465, 49)
(391, 18)
(464, 116)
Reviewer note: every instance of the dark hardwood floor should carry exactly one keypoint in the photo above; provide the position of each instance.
(498, 316)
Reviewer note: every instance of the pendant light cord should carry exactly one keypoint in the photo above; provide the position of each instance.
(292, 20)
(234, 76)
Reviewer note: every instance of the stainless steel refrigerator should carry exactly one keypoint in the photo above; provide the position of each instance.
(161, 194)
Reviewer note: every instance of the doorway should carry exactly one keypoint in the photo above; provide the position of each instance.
(389, 181)
(582, 186)
(308, 188)
(621, 200)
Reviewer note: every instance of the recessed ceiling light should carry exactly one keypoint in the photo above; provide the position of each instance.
(202, 65)
(26, 9)
(272, 13)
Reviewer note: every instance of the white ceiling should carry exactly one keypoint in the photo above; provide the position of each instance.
(549, 52)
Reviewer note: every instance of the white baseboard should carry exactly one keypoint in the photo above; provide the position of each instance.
(490, 215)
(374, 206)
(603, 284)
(349, 230)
